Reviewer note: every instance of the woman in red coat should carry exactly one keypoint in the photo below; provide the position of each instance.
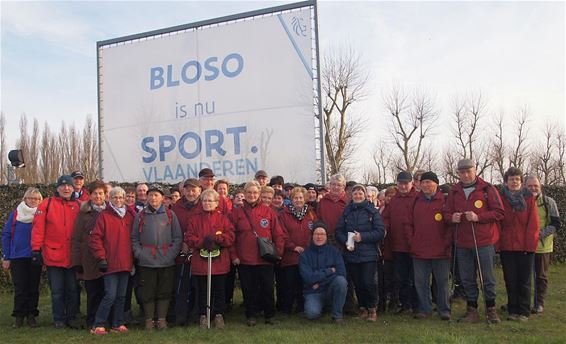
(296, 221)
(210, 231)
(518, 243)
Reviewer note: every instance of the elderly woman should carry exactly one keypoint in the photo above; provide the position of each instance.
(222, 186)
(252, 220)
(81, 257)
(266, 195)
(372, 195)
(518, 243)
(210, 232)
(297, 220)
(360, 229)
(156, 241)
(111, 246)
(16, 256)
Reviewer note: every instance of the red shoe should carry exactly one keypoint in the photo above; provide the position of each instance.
(119, 329)
(98, 331)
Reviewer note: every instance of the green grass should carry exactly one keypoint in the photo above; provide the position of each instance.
(547, 328)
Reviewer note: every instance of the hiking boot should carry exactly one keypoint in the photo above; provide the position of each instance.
(161, 324)
(19, 322)
(404, 311)
(219, 321)
(471, 316)
(492, 316)
(372, 315)
(203, 322)
(251, 322)
(362, 314)
(421, 315)
(445, 316)
(149, 324)
(32, 322)
(98, 331)
(75, 324)
(339, 321)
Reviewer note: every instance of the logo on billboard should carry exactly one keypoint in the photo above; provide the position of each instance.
(298, 26)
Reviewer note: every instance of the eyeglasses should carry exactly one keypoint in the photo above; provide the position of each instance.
(209, 201)
(34, 198)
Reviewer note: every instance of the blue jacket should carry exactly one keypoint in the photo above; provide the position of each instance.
(18, 246)
(315, 265)
(364, 218)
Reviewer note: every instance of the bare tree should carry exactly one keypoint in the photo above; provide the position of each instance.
(561, 155)
(343, 82)
(498, 147)
(48, 167)
(382, 160)
(543, 163)
(518, 153)
(89, 150)
(412, 121)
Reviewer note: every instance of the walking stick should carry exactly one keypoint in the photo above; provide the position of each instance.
(479, 269)
(454, 260)
(208, 289)
(535, 302)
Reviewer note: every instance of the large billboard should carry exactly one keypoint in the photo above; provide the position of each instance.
(236, 97)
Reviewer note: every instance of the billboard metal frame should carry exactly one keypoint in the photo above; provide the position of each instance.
(244, 15)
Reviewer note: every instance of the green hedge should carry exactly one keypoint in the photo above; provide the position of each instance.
(10, 196)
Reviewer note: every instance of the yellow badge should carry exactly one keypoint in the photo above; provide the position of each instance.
(438, 217)
(478, 204)
(218, 233)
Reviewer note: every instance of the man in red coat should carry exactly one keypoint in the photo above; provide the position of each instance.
(474, 207)
(395, 217)
(51, 244)
(80, 193)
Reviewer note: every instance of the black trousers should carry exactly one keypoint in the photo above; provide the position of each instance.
(364, 278)
(230, 284)
(94, 294)
(291, 289)
(257, 288)
(183, 296)
(25, 277)
(217, 294)
(517, 271)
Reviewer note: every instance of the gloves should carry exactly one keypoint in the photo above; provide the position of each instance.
(546, 231)
(36, 258)
(102, 265)
(209, 244)
(219, 239)
(79, 269)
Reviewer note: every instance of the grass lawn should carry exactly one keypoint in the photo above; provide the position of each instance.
(547, 328)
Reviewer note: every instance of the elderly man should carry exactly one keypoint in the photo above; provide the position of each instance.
(80, 193)
(52, 230)
(549, 224)
(206, 181)
(141, 197)
(474, 208)
(323, 273)
(261, 177)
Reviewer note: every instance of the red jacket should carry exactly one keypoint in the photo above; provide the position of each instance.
(519, 229)
(184, 212)
(84, 196)
(297, 233)
(221, 229)
(486, 203)
(110, 240)
(429, 237)
(330, 210)
(228, 203)
(52, 230)
(395, 217)
(266, 224)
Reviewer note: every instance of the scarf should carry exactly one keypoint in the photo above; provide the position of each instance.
(99, 208)
(516, 199)
(334, 198)
(298, 214)
(25, 213)
(120, 211)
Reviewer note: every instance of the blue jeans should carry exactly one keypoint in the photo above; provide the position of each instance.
(467, 264)
(115, 286)
(64, 296)
(335, 293)
(440, 268)
(403, 267)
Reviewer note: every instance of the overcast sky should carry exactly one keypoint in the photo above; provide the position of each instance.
(513, 52)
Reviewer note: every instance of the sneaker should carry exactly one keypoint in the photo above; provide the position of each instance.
(362, 314)
(19, 322)
(513, 317)
(203, 322)
(98, 331)
(119, 329)
(32, 322)
(522, 318)
(492, 316)
(445, 316)
(537, 310)
(372, 315)
(219, 321)
(471, 316)
(161, 324)
(251, 322)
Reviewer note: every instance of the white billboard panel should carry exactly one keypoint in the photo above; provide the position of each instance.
(236, 98)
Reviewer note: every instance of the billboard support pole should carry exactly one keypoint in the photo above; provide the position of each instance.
(320, 115)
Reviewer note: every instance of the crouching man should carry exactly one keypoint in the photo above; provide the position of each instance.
(324, 276)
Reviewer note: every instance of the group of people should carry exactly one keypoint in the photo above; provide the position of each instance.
(318, 246)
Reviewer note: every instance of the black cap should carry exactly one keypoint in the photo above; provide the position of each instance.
(261, 173)
(310, 186)
(65, 180)
(77, 174)
(205, 172)
(191, 182)
(430, 176)
(404, 176)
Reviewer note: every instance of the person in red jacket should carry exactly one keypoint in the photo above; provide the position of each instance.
(210, 231)
(206, 180)
(52, 230)
(255, 219)
(518, 243)
(395, 217)
(430, 241)
(296, 220)
(222, 186)
(110, 244)
(474, 206)
(80, 193)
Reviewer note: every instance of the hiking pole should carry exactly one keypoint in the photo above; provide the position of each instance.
(479, 268)
(454, 261)
(535, 302)
(208, 288)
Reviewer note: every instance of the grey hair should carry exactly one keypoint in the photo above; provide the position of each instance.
(117, 190)
(338, 178)
(32, 191)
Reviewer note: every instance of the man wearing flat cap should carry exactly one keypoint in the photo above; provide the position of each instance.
(474, 208)
(261, 177)
(206, 181)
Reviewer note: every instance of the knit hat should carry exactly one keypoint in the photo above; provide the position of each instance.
(320, 224)
(430, 176)
(157, 188)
